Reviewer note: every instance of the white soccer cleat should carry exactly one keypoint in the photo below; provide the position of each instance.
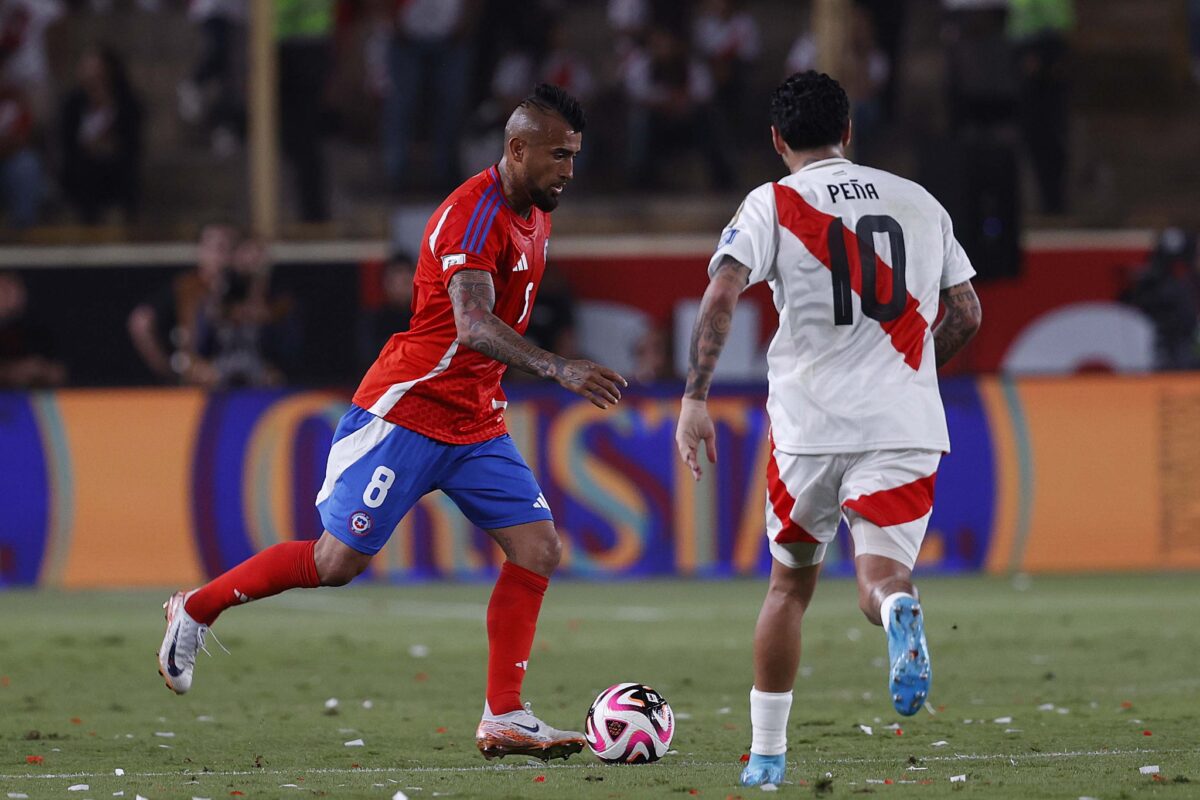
(183, 640)
(520, 733)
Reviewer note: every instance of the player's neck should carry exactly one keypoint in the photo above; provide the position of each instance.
(523, 206)
(797, 160)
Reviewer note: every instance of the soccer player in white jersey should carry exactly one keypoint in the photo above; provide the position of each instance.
(859, 261)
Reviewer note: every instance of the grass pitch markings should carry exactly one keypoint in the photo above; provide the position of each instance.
(957, 757)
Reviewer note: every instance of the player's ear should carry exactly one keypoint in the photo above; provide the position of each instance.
(777, 141)
(516, 149)
(846, 135)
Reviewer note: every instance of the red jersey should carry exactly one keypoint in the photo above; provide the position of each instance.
(423, 379)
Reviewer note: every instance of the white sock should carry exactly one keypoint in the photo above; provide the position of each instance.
(885, 610)
(768, 719)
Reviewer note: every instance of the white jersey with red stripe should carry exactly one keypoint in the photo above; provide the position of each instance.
(423, 380)
(856, 258)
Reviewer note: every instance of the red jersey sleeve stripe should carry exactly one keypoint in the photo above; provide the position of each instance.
(482, 203)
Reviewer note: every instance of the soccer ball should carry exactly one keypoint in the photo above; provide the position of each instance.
(629, 724)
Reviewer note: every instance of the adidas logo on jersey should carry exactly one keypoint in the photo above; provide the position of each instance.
(522, 264)
(541, 502)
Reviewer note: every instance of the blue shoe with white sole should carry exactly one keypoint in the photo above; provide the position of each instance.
(764, 769)
(909, 677)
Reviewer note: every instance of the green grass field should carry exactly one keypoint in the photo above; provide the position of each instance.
(1098, 675)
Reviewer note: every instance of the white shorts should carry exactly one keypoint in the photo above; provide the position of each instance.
(886, 497)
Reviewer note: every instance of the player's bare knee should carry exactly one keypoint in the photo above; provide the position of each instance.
(547, 552)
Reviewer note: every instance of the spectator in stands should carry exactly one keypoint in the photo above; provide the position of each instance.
(213, 87)
(303, 29)
(726, 36)
(242, 330)
(1039, 29)
(100, 138)
(393, 315)
(1167, 290)
(164, 328)
(429, 51)
(27, 350)
(1194, 36)
(863, 72)
(22, 184)
(670, 97)
(564, 67)
(887, 22)
(24, 62)
(483, 134)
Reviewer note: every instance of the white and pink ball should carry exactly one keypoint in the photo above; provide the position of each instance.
(629, 723)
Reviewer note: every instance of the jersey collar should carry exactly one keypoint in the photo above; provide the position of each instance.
(825, 162)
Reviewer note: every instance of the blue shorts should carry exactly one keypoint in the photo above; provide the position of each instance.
(377, 471)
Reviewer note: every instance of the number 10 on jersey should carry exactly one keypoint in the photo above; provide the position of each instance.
(839, 266)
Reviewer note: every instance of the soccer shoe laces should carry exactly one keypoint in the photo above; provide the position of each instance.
(202, 632)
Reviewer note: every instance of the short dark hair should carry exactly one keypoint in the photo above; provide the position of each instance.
(810, 109)
(555, 100)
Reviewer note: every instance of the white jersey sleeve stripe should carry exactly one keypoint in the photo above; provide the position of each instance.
(438, 229)
(388, 399)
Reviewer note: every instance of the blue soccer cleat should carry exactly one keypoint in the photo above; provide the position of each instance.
(908, 680)
(764, 769)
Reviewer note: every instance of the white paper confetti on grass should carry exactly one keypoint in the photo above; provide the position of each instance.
(867, 729)
(83, 787)
(895, 726)
(1063, 710)
(367, 704)
(418, 651)
(165, 734)
(331, 703)
(683, 715)
(204, 718)
(958, 778)
(18, 795)
(1151, 770)
(118, 772)
(1012, 730)
(119, 794)
(1087, 798)
(399, 796)
(1046, 707)
(724, 710)
(942, 743)
(139, 797)
(769, 787)
(354, 743)
(1002, 720)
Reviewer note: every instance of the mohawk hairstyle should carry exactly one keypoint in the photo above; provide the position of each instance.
(810, 109)
(554, 100)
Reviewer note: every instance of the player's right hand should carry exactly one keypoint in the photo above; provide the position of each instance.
(695, 426)
(588, 379)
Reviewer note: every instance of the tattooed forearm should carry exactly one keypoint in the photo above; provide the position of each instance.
(474, 296)
(962, 319)
(712, 325)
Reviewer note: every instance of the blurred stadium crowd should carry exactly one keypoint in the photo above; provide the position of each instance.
(126, 121)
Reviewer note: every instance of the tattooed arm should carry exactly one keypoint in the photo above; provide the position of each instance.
(473, 296)
(958, 325)
(708, 339)
(712, 325)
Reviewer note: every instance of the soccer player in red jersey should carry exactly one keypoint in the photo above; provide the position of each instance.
(429, 414)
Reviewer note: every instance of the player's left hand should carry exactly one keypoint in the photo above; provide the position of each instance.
(694, 427)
